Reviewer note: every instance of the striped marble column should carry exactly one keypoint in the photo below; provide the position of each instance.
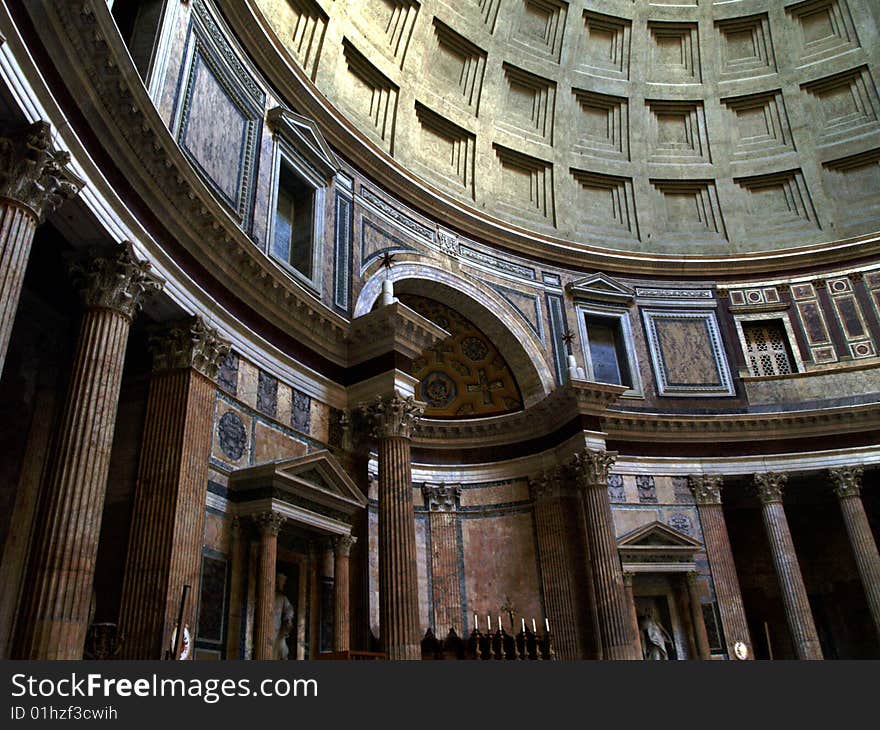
(393, 419)
(238, 550)
(269, 525)
(341, 593)
(55, 610)
(706, 489)
(442, 502)
(769, 486)
(591, 475)
(698, 621)
(168, 518)
(847, 483)
(557, 573)
(33, 183)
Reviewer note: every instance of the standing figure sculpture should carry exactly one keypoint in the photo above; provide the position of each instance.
(283, 617)
(654, 637)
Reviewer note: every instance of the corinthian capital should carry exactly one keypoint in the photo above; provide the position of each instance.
(393, 417)
(188, 343)
(441, 497)
(591, 468)
(32, 174)
(706, 488)
(117, 280)
(846, 480)
(342, 544)
(548, 484)
(269, 523)
(770, 485)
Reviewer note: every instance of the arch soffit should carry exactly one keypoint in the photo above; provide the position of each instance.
(519, 346)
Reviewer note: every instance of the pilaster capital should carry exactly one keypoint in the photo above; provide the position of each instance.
(442, 497)
(591, 468)
(32, 174)
(117, 280)
(188, 343)
(706, 488)
(770, 485)
(269, 523)
(846, 481)
(342, 545)
(393, 417)
(627, 579)
(692, 578)
(548, 484)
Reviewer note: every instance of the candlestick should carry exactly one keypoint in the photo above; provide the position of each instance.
(534, 628)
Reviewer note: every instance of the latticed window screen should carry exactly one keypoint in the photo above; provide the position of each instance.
(767, 348)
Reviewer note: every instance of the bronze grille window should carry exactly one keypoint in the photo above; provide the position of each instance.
(767, 350)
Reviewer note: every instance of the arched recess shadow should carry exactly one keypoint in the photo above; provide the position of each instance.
(519, 346)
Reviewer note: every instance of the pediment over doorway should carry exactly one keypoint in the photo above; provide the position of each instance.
(657, 547)
(311, 490)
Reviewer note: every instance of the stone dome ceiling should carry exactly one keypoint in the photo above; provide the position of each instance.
(679, 127)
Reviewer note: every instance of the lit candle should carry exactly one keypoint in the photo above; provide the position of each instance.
(488, 624)
(547, 624)
(534, 628)
(475, 622)
(499, 623)
(523, 624)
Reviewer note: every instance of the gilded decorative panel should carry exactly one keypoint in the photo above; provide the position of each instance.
(464, 375)
(687, 354)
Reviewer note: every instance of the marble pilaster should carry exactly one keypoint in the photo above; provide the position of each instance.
(341, 593)
(269, 525)
(698, 622)
(442, 502)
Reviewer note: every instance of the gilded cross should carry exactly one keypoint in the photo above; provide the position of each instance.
(485, 387)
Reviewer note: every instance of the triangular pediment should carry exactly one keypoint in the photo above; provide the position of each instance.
(323, 472)
(304, 136)
(658, 535)
(602, 288)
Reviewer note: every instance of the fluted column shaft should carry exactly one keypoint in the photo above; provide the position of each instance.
(556, 569)
(847, 487)
(265, 631)
(442, 502)
(33, 183)
(698, 622)
(788, 571)
(633, 614)
(613, 613)
(167, 528)
(393, 420)
(239, 553)
(54, 619)
(706, 489)
(398, 579)
(17, 228)
(341, 593)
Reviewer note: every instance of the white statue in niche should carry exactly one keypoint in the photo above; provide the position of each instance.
(283, 617)
(655, 638)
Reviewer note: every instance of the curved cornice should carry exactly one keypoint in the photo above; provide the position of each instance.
(95, 65)
(283, 73)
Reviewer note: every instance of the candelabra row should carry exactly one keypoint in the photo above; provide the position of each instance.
(492, 645)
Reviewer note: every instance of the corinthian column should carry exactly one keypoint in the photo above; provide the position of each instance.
(393, 419)
(265, 630)
(165, 543)
(847, 483)
(547, 491)
(769, 486)
(613, 614)
(54, 616)
(33, 183)
(706, 489)
(341, 609)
